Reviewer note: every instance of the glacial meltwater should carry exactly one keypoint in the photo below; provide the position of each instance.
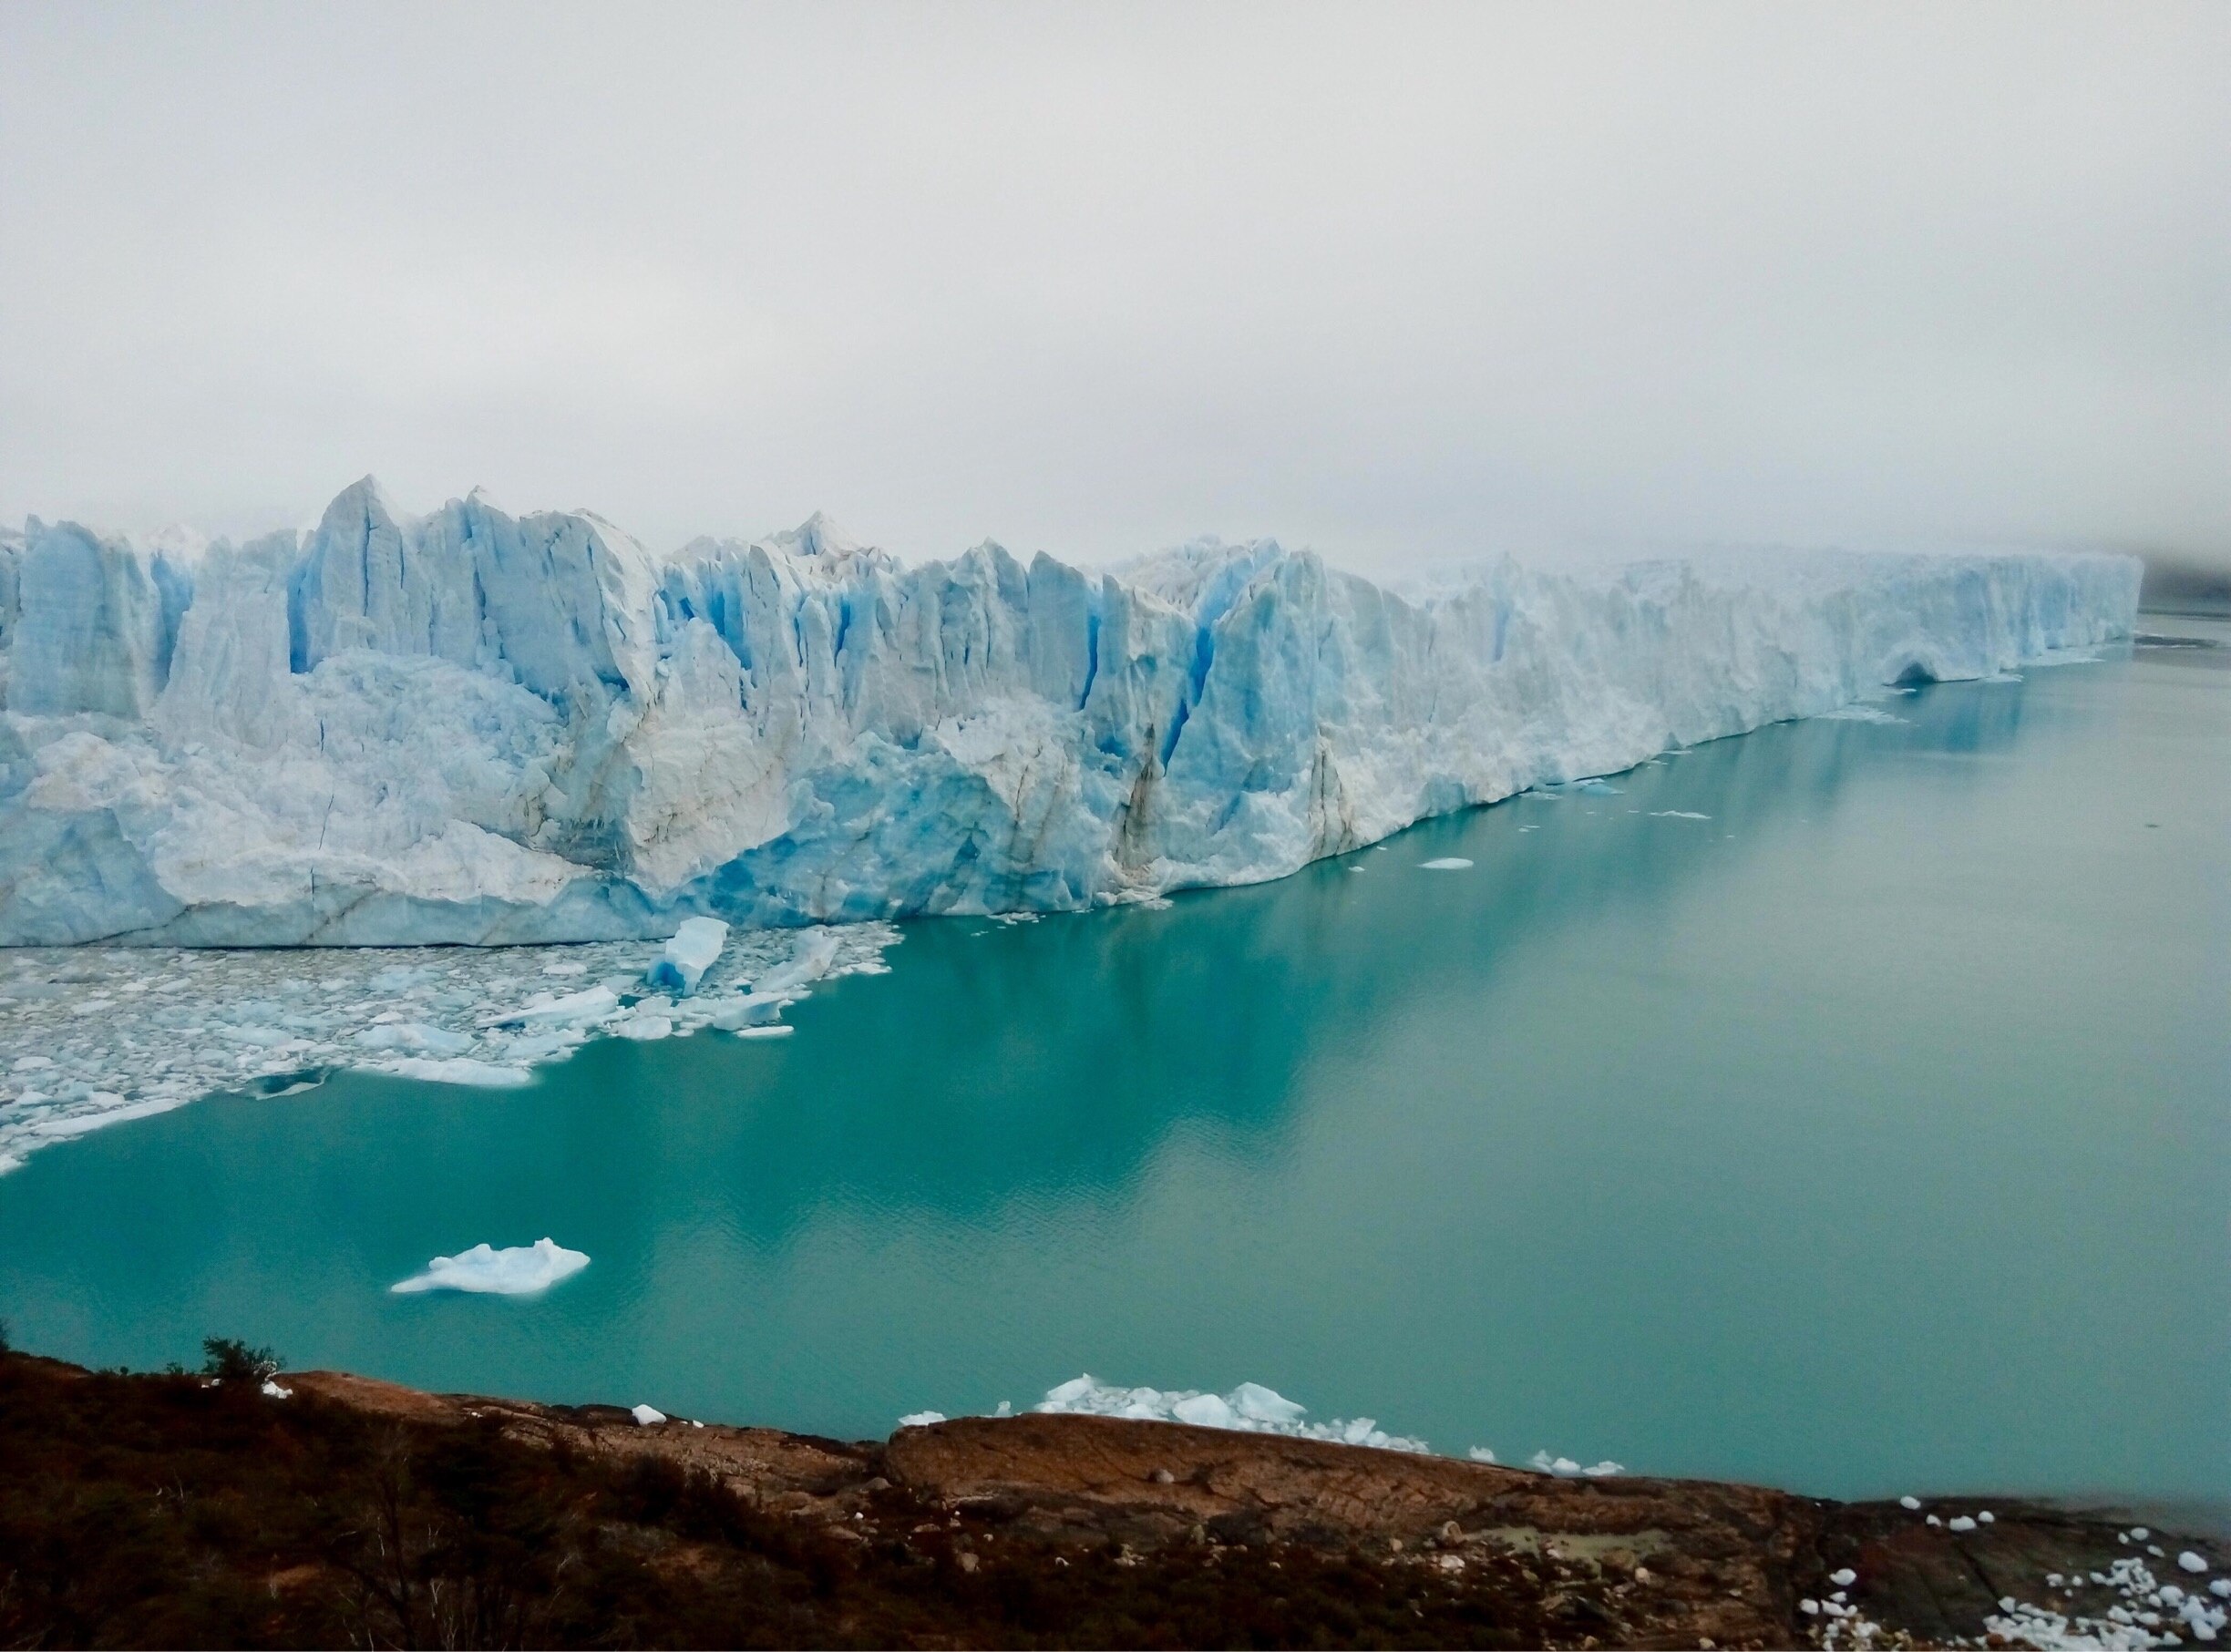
(1845, 1106)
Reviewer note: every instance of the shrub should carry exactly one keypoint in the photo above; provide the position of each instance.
(232, 1360)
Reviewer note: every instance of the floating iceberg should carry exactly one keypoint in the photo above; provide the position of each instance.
(472, 727)
(695, 949)
(518, 1271)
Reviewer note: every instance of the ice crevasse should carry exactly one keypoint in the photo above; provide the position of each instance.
(479, 728)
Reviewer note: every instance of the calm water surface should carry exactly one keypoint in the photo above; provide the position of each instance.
(1872, 1135)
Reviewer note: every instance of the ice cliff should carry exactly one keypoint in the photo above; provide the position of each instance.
(475, 727)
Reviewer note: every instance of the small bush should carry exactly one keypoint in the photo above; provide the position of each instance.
(233, 1361)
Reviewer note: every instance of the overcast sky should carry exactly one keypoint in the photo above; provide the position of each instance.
(1400, 282)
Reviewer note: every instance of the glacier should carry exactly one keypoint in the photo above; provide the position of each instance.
(473, 728)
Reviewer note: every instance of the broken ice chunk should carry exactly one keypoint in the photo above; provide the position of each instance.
(584, 1009)
(811, 958)
(1447, 863)
(517, 1270)
(645, 1416)
(1261, 1404)
(421, 1038)
(750, 1009)
(1205, 1411)
(695, 949)
(459, 1070)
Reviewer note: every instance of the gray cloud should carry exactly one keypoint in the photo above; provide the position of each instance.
(1401, 283)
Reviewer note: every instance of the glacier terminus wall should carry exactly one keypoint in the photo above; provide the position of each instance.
(471, 727)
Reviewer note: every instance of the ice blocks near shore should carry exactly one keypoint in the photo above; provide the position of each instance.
(470, 727)
(1251, 1408)
(518, 1271)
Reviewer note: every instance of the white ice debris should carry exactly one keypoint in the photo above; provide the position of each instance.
(1447, 863)
(1480, 1453)
(695, 949)
(165, 1025)
(417, 1037)
(920, 1419)
(473, 727)
(1860, 712)
(1909, 1503)
(2190, 1562)
(272, 1391)
(457, 1070)
(2131, 1619)
(1960, 1523)
(1250, 1408)
(1677, 815)
(1844, 1578)
(647, 1415)
(518, 1270)
(1549, 1463)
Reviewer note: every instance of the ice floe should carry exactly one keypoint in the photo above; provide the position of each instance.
(106, 1034)
(517, 1270)
(459, 1070)
(1447, 863)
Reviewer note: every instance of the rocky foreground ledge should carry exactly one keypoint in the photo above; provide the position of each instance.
(327, 1509)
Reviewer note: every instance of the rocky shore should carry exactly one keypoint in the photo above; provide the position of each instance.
(323, 1509)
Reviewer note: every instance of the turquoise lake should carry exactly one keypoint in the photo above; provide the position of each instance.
(1870, 1136)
